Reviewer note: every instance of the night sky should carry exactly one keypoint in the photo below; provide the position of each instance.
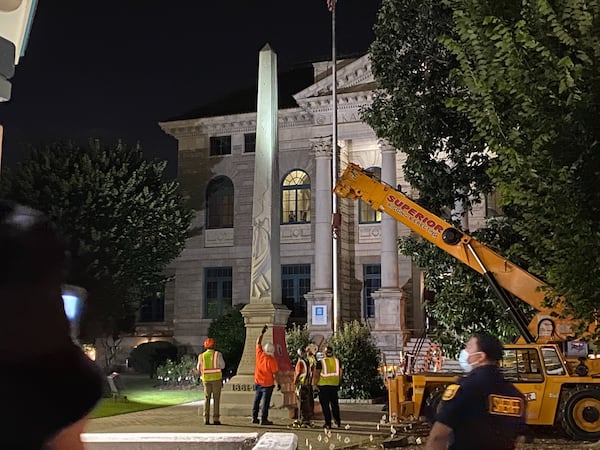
(114, 69)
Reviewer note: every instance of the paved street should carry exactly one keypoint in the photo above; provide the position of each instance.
(359, 425)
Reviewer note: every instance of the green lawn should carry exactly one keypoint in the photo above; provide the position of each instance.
(142, 393)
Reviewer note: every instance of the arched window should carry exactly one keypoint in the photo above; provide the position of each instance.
(295, 197)
(219, 203)
(366, 214)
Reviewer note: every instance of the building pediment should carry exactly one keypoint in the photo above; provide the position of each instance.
(355, 86)
(350, 78)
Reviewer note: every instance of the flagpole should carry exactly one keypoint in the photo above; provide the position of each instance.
(334, 168)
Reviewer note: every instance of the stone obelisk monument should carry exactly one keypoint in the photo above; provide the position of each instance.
(265, 305)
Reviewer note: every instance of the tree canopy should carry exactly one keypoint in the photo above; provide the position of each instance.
(446, 162)
(412, 69)
(533, 95)
(497, 96)
(123, 222)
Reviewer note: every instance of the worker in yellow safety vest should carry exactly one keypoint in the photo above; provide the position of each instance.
(210, 366)
(303, 380)
(327, 380)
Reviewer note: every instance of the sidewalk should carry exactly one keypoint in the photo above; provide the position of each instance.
(361, 425)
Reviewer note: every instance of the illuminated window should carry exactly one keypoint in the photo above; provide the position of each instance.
(366, 214)
(295, 197)
(218, 290)
(219, 203)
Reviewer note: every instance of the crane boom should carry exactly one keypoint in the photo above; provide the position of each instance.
(503, 275)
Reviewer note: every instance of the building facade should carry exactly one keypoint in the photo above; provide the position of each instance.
(216, 170)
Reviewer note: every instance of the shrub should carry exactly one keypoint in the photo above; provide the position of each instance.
(229, 333)
(360, 359)
(295, 338)
(145, 358)
(179, 374)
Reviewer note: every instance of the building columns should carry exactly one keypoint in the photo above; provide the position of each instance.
(320, 300)
(389, 307)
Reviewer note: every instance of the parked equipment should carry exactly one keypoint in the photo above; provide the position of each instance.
(548, 364)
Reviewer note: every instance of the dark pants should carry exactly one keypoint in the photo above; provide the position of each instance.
(264, 393)
(307, 404)
(328, 397)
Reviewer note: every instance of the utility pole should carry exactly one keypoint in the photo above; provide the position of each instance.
(337, 313)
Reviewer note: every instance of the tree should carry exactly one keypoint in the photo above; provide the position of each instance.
(229, 332)
(124, 224)
(464, 303)
(446, 161)
(533, 95)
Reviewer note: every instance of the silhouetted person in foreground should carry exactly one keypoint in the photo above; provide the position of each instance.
(47, 384)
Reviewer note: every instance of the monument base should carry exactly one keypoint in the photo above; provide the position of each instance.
(237, 398)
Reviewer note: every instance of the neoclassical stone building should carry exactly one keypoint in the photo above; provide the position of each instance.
(216, 169)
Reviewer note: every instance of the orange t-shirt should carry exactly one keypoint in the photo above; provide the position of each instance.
(265, 369)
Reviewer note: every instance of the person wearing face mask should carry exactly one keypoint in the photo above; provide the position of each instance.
(482, 410)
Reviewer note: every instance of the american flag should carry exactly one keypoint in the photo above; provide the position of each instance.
(331, 5)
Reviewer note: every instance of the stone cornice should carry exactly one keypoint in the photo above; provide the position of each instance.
(237, 123)
(348, 104)
(315, 106)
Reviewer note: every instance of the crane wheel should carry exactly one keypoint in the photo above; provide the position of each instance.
(580, 413)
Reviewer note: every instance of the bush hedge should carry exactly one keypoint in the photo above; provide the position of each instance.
(359, 357)
(146, 358)
(229, 333)
(181, 373)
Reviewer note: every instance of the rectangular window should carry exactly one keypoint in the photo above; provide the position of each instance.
(249, 142)
(366, 214)
(152, 308)
(372, 283)
(218, 291)
(295, 282)
(492, 205)
(220, 145)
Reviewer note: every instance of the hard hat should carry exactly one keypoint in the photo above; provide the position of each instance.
(269, 348)
(209, 343)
